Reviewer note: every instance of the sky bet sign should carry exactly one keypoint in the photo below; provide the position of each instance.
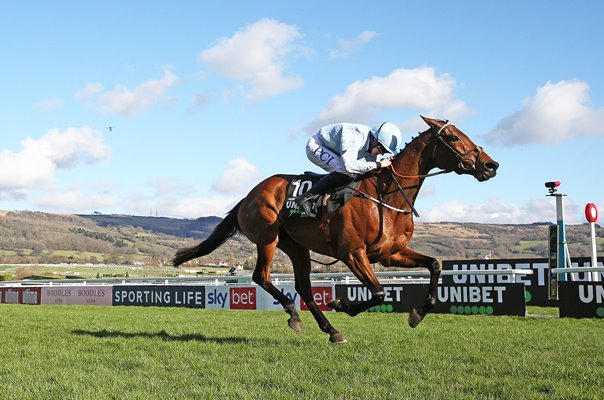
(231, 297)
(252, 297)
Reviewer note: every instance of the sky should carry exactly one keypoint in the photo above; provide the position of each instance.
(179, 108)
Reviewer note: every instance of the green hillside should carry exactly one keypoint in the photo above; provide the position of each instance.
(149, 243)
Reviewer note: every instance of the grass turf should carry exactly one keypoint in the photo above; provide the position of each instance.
(88, 352)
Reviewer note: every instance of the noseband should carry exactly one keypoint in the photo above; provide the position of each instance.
(460, 157)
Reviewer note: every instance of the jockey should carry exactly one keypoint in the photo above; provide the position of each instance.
(345, 151)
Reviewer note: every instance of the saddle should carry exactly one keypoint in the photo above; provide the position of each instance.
(324, 204)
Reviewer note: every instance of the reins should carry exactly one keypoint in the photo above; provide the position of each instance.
(395, 174)
(393, 171)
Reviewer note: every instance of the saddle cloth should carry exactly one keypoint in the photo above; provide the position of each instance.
(325, 204)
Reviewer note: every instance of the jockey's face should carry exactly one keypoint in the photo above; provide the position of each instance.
(376, 147)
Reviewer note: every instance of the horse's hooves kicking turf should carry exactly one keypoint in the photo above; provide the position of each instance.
(335, 304)
(337, 338)
(415, 318)
(295, 324)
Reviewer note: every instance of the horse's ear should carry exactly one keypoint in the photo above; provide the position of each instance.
(431, 122)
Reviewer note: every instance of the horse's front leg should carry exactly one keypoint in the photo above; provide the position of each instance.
(359, 264)
(409, 258)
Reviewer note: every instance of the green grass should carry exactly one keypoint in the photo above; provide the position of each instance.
(87, 352)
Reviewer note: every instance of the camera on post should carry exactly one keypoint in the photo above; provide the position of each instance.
(552, 186)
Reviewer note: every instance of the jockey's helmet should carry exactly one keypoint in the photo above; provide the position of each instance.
(388, 135)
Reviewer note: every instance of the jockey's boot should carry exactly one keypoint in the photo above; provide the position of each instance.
(324, 185)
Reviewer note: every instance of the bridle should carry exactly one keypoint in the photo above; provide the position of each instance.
(460, 157)
(461, 165)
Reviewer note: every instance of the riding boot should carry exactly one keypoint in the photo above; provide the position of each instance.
(324, 185)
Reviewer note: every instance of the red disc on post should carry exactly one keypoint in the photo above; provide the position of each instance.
(591, 212)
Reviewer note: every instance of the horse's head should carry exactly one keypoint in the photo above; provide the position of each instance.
(455, 151)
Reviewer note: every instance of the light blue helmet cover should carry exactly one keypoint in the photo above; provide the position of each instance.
(388, 135)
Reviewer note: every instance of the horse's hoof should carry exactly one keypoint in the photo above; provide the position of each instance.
(295, 324)
(335, 304)
(337, 338)
(414, 318)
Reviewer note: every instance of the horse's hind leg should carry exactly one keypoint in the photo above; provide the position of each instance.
(262, 277)
(300, 258)
(258, 220)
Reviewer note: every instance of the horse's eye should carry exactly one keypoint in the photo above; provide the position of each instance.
(454, 138)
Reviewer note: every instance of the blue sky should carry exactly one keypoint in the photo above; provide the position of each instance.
(208, 98)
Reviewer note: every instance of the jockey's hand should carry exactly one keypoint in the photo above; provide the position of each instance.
(385, 162)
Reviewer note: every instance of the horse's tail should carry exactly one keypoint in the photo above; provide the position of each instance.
(224, 230)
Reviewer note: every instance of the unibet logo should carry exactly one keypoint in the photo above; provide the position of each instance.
(469, 310)
(387, 308)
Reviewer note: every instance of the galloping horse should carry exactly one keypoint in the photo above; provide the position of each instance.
(370, 228)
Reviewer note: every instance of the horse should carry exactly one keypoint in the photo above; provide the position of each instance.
(372, 227)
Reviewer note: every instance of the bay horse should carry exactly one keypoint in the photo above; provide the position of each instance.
(370, 228)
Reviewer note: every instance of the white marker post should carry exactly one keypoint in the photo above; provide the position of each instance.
(591, 214)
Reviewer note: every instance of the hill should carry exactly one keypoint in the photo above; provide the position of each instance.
(36, 237)
(198, 229)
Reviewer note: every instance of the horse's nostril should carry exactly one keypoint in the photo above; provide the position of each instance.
(492, 165)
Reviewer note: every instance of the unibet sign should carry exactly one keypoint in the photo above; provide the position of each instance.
(500, 299)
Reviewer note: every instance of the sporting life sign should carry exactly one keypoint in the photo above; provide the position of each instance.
(159, 296)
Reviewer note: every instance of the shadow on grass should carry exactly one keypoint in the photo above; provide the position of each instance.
(163, 335)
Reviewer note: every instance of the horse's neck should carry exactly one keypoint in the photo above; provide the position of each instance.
(415, 160)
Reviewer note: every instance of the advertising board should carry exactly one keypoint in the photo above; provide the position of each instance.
(488, 299)
(322, 294)
(537, 285)
(159, 296)
(83, 295)
(581, 299)
(20, 295)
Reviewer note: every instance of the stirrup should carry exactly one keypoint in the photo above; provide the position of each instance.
(305, 203)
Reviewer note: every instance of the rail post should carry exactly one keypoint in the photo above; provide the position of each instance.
(591, 214)
(562, 253)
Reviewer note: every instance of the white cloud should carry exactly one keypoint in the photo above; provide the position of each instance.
(403, 88)
(38, 159)
(50, 104)
(558, 111)
(495, 211)
(348, 47)
(237, 178)
(88, 91)
(75, 199)
(257, 55)
(217, 205)
(127, 102)
(164, 186)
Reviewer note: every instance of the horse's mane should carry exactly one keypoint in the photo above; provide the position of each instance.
(413, 140)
